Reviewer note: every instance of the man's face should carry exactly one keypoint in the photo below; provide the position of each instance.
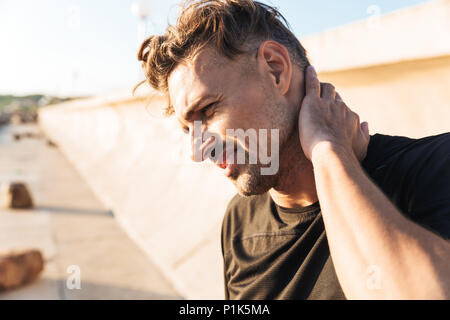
(237, 94)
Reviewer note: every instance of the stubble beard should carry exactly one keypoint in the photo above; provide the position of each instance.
(247, 177)
(249, 181)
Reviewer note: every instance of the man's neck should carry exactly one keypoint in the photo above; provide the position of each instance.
(296, 186)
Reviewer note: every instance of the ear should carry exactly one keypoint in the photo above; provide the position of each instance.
(274, 57)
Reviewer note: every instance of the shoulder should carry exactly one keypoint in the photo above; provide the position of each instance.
(242, 213)
(397, 156)
(415, 175)
(243, 210)
(383, 148)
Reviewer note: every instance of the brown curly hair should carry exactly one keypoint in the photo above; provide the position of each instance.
(230, 26)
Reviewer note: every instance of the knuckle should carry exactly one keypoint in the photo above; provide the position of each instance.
(339, 102)
(329, 86)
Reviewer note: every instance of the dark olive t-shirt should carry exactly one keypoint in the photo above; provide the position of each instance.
(272, 252)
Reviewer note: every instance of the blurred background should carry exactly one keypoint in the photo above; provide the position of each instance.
(115, 206)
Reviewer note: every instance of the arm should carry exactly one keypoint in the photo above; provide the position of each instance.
(377, 252)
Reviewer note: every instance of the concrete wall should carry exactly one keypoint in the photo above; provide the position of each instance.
(170, 206)
(418, 32)
(409, 98)
(173, 208)
(393, 70)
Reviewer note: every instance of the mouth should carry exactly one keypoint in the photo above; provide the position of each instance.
(226, 166)
(225, 160)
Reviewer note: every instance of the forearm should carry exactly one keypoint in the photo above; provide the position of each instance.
(377, 252)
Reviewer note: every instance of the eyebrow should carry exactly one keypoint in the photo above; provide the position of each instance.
(187, 114)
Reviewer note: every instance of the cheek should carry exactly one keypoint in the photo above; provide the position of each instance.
(247, 106)
(249, 111)
(236, 117)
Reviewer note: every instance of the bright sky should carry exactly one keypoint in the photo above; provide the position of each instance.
(84, 47)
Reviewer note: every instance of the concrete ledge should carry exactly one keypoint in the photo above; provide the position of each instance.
(408, 34)
(170, 206)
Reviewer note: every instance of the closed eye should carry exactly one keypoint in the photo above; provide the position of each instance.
(208, 111)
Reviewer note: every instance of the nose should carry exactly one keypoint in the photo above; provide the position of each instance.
(203, 142)
(200, 149)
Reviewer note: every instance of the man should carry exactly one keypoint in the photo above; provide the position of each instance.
(346, 214)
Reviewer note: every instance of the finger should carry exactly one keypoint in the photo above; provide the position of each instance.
(312, 82)
(327, 91)
(365, 128)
